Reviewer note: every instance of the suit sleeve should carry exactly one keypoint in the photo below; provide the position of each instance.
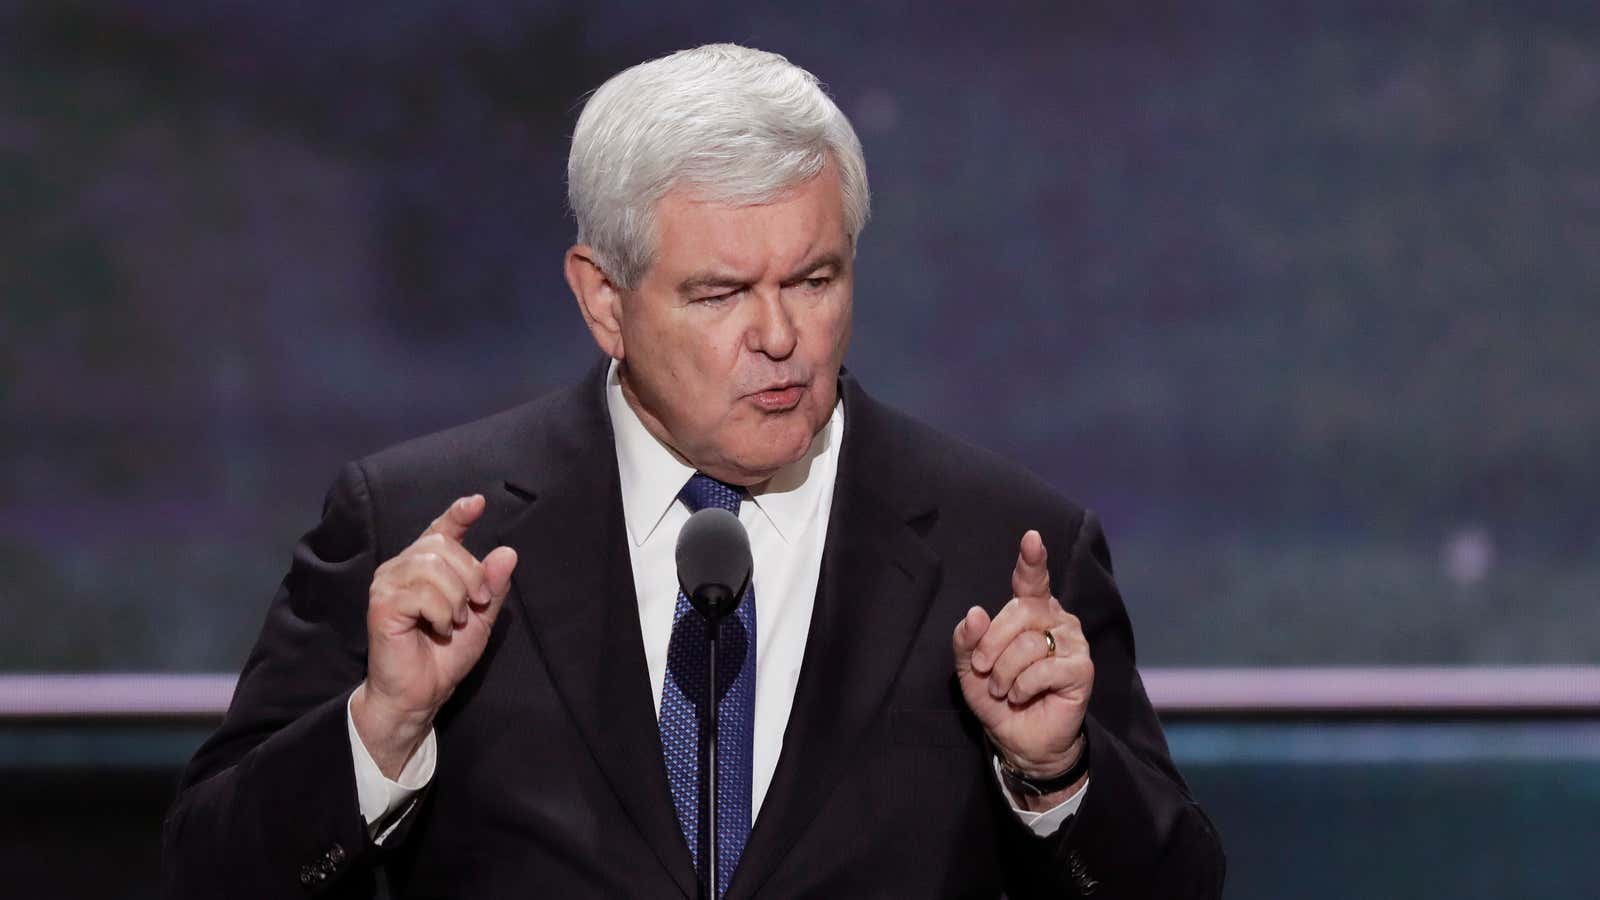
(1138, 832)
(268, 806)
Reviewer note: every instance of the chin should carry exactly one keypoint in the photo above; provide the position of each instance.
(762, 445)
(761, 462)
(763, 466)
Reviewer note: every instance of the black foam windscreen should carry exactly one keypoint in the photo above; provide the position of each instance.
(714, 559)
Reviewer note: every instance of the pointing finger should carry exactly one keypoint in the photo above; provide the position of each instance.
(454, 522)
(1031, 579)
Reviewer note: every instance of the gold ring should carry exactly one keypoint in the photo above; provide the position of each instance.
(1049, 643)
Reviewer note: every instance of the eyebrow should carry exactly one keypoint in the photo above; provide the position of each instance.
(708, 280)
(697, 283)
(821, 262)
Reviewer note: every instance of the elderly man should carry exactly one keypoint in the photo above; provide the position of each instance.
(480, 677)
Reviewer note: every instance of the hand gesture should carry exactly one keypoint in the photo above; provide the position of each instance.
(429, 615)
(1030, 700)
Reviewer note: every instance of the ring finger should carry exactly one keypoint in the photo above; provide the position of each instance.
(1029, 646)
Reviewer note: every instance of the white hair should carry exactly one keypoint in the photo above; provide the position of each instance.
(732, 124)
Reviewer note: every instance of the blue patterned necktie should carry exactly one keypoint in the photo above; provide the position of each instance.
(683, 696)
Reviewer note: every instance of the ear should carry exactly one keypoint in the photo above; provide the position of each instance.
(599, 299)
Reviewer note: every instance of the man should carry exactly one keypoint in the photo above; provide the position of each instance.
(481, 679)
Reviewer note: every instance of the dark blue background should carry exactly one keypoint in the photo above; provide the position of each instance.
(1299, 296)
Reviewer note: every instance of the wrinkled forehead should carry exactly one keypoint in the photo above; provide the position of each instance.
(696, 230)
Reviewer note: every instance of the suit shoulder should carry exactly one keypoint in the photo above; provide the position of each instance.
(955, 470)
(483, 444)
(407, 485)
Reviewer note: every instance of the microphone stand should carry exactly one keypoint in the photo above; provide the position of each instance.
(715, 602)
(708, 828)
(714, 597)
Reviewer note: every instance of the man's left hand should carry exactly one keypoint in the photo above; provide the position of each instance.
(1030, 701)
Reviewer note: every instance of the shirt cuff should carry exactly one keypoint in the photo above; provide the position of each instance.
(378, 795)
(1047, 822)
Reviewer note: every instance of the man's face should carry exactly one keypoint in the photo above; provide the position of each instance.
(732, 342)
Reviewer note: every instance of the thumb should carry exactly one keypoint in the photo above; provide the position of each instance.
(969, 631)
(1030, 578)
(497, 568)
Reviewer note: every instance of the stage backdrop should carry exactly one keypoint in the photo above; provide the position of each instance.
(1302, 301)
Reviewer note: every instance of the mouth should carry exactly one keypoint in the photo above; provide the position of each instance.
(778, 398)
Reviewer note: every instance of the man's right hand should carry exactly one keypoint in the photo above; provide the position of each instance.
(429, 615)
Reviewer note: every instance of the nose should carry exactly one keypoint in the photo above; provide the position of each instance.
(773, 331)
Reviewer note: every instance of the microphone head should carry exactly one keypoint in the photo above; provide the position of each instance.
(714, 562)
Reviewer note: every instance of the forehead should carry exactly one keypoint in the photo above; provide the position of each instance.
(805, 221)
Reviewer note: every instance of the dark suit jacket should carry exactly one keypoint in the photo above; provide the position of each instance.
(550, 780)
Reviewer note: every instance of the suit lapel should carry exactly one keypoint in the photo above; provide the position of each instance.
(575, 586)
(876, 580)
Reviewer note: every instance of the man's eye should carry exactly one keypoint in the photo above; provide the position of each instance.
(815, 284)
(716, 298)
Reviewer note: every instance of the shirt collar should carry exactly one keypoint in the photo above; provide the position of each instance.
(652, 473)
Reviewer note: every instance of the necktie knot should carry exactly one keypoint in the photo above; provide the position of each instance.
(705, 492)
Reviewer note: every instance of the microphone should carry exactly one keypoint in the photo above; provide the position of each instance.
(714, 562)
(714, 567)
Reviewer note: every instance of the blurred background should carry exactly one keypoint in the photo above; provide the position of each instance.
(1301, 297)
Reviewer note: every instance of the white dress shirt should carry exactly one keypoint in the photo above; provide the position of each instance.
(788, 525)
